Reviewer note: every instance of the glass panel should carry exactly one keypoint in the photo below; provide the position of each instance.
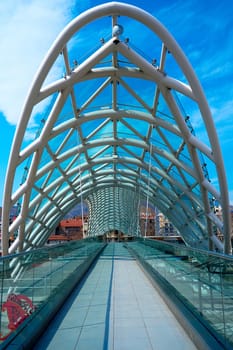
(66, 112)
(96, 129)
(29, 279)
(202, 280)
(163, 110)
(144, 89)
(64, 141)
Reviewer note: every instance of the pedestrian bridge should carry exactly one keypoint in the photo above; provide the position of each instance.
(141, 294)
(114, 128)
(112, 115)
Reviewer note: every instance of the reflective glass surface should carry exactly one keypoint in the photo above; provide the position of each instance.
(203, 281)
(116, 111)
(29, 281)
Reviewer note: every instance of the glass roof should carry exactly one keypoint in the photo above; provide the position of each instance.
(114, 130)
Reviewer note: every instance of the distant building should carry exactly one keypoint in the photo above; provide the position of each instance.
(152, 224)
(0, 228)
(70, 229)
(231, 211)
(218, 213)
(13, 215)
(147, 221)
(147, 224)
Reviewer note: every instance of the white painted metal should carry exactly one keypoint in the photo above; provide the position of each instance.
(100, 165)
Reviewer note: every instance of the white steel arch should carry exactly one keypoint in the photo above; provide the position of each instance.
(111, 121)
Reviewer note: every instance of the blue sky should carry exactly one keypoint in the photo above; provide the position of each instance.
(202, 28)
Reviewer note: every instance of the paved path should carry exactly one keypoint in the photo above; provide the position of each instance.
(116, 308)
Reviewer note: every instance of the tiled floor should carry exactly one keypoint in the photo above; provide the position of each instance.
(117, 308)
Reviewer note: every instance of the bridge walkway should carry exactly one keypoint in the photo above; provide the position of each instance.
(116, 307)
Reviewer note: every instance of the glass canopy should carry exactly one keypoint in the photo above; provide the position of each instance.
(113, 127)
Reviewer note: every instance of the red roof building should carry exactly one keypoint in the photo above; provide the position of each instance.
(70, 229)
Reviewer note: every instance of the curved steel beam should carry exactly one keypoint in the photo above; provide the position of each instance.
(155, 162)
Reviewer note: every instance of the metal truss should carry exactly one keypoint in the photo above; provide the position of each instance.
(114, 129)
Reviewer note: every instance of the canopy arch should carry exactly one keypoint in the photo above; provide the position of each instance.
(115, 122)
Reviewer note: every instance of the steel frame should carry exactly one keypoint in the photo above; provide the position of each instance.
(94, 165)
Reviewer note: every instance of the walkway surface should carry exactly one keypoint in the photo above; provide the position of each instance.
(116, 308)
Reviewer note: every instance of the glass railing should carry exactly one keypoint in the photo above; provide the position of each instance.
(28, 280)
(203, 281)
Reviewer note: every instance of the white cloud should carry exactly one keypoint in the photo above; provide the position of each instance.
(224, 111)
(28, 28)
